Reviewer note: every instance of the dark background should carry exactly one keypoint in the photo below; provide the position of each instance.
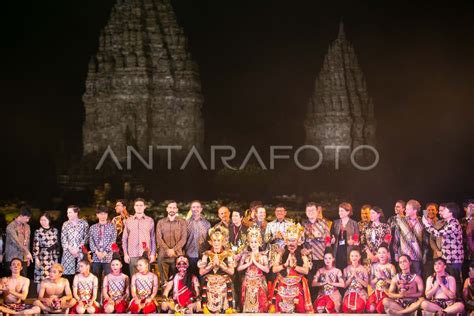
(258, 61)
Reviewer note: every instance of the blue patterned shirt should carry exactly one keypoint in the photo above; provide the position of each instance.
(101, 238)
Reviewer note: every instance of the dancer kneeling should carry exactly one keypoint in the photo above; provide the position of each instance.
(116, 289)
(406, 290)
(357, 278)
(144, 287)
(381, 274)
(14, 290)
(185, 287)
(55, 296)
(217, 265)
(441, 291)
(468, 291)
(329, 278)
(85, 288)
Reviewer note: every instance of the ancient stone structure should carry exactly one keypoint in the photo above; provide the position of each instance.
(142, 87)
(340, 112)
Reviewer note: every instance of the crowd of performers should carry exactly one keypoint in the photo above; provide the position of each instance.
(244, 264)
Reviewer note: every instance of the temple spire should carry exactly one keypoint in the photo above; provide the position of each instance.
(340, 111)
(143, 88)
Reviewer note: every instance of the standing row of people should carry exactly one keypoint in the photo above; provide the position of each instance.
(173, 236)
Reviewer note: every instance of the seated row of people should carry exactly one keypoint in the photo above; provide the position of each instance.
(288, 291)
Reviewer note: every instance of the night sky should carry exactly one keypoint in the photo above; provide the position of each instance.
(258, 61)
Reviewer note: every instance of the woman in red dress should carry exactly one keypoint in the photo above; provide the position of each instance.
(254, 286)
(144, 287)
(329, 278)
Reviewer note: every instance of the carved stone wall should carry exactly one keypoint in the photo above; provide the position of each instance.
(340, 112)
(142, 86)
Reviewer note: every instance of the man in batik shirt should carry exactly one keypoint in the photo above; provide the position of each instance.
(138, 236)
(315, 232)
(101, 237)
(18, 240)
(74, 235)
(410, 238)
(197, 236)
(452, 247)
(119, 220)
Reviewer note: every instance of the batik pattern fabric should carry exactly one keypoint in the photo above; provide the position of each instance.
(254, 288)
(363, 225)
(315, 236)
(17, 242)
(355, 297)
(465, 223)
(375, 235)
(452, 247)
(116, 286)
(73, 235)
(119, 222)
(101, 238)
(408, 238)
(144, 289)
(197, 235)
(329, 298)
(137, 231)
(275, 231)
(116, 290)
(85, 292)
(46, 251)
(217, 290)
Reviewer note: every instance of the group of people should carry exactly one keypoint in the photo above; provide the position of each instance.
(244, 263)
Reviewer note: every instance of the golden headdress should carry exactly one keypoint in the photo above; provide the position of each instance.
(295, 232)
(220, 232)
(254, 232)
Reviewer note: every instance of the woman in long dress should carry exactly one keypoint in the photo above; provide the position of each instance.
(45, 248)
(255, 264)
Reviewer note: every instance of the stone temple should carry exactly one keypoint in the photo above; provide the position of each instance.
(340, 111)
(142, 88)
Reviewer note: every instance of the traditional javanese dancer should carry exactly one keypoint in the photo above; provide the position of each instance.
(255, 264)
(185, 290)
(357, 279)
(85, 289)
(291, 291)
(14, 290)
(382, 273)
(144, 286)
(217, 267)
(329, 278)
(441, 292)
(406, 290)
(55, 296)
(116, 288)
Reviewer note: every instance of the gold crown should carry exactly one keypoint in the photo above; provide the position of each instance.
(220, 232)
(294, 232)
(254, 232)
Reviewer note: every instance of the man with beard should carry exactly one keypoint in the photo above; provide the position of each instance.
(291, 267)
(171, 234)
